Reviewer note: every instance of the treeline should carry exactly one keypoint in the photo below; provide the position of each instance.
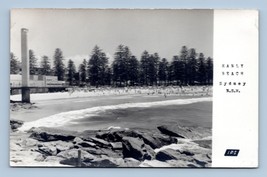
(186, 68)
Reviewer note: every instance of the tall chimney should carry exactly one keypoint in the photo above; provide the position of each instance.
(25, 66)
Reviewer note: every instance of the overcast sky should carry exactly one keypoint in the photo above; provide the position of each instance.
(76, 32)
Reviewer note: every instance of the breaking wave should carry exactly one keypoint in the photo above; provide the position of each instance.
(61, 119)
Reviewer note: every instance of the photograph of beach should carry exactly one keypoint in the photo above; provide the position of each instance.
(111, 88)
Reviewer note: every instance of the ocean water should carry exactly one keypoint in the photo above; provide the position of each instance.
(187, 112)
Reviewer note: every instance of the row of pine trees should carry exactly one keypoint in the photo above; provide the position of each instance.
(186, 68)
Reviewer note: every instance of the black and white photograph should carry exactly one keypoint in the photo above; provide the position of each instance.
(96, 88)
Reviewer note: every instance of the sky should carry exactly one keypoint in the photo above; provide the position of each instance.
(77, 31)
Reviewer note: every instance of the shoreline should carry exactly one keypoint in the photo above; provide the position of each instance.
(48, 104)
(185, 91)
(63, 118)
(157, 143)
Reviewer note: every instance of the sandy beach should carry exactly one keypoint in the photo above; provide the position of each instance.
(82, 111)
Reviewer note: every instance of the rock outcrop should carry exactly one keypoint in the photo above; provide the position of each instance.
(121, 147)
(15, 124)
(135, 148)
(51, 134)
(167, 154)
(172, 130)
(176, 130)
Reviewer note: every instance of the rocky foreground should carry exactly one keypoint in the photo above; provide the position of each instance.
(168, 146)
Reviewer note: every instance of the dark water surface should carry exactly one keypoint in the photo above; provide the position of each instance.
(195, 114)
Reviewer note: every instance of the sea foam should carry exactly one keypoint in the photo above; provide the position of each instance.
(61, 119)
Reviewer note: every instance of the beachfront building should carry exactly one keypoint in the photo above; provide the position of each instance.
(37, 84)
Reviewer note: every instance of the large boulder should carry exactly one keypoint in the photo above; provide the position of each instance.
(77, 140)
(148, 152)
(203, 160)
(15, 124)
(29, 142)
(111, 153)
(191, 148)
(63, 146)
(51, 134)
(53, 159)
(73, 153)
(103, 151)
(71, 157)
(150, 140)
(136, 148)
(130, 162)
(185, 132)
(103, 161)
(94, 151)
(167, 154)
(157, 140)
(100, 142)
(48, 150)
(198, 160)
(40, 158)
(58, 145)
(97, 141)
(185, 158)
(172, 130)
(116, 135)
(116, 146)
(87, 144)
(132, 147)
